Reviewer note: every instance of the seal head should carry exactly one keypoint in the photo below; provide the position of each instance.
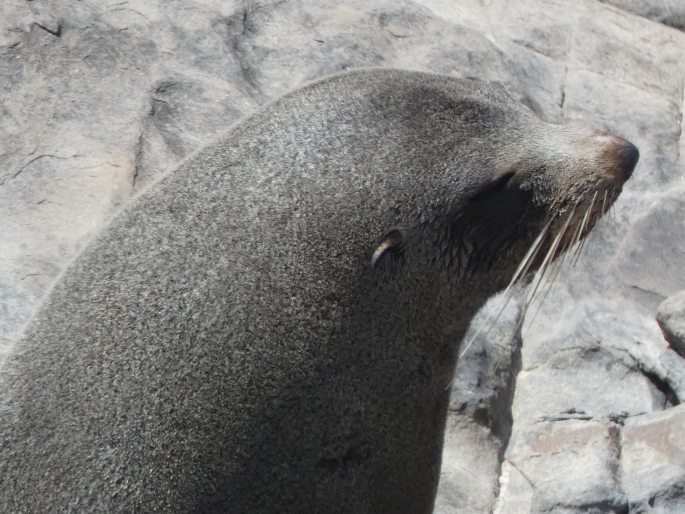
(272, 326)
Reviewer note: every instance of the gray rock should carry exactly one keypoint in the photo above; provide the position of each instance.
(571, 465)
(653, 457)
(670, 12)
(479, 421)
(594, 384)
(468, 480)
(516, 494)
(671, 318)
(655, 273)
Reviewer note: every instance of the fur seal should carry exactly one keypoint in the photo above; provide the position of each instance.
(271, 327)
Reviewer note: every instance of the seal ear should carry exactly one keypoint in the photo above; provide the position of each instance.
(391, 243)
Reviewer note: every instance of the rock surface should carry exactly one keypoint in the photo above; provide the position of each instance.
(670, 12)
(653, 458)
(671, 318)
(97, 99)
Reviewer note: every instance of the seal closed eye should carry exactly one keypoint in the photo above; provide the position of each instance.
(272, 326)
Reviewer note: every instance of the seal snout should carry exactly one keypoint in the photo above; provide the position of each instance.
(627, 157)
(621, 155)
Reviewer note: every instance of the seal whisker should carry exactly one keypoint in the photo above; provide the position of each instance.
(558, 265)
(530, 255)
(564, 253)
(593, 236)
(568, 242)
(581, 241)
(541, 272)
(604, 203)
(611, 212)
(585, 224)
(521, 270)
(576, 234)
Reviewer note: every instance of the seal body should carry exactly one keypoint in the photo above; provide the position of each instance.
(271, 327)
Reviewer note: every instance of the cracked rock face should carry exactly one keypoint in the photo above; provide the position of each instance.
(671, 319)
(579, 410)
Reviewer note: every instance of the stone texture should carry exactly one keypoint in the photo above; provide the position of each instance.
(479, 422)
(572, 464)
(671, 319)
(516, 493)
(97, 99)
(653, 457)
(670, 12)
(470, 467)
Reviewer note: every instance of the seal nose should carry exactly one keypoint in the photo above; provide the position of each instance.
(621, 154)
(627, 157)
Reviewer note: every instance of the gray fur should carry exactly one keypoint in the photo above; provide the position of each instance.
(227, 345)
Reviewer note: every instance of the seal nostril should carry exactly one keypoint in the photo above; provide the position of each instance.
(628, 155)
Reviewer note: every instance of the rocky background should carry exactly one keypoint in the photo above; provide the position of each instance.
(578, 410)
